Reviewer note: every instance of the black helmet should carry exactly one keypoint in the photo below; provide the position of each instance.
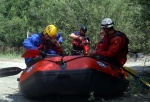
(83, 28)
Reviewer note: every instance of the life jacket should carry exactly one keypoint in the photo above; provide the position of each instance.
(120, 58)
(121, 34)
(48, 46)
(77, 43)
(123, 51)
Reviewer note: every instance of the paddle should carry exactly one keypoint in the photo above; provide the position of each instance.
(4, 72)
(143, 83)
(130, 70)
(30, 53)
(9, 71)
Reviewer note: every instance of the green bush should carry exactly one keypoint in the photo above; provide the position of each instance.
(131, 17)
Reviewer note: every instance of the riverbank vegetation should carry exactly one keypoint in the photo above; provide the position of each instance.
(19, 17)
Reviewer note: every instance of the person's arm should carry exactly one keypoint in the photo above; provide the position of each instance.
(99, 46)
(75, 36)
(116, 45)
(31, 41)
(56, 48)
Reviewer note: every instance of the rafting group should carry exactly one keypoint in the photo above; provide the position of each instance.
(50, 72)
(112, 46)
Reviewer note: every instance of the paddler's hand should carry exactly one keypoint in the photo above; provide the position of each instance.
(55, 42)
(79, 38)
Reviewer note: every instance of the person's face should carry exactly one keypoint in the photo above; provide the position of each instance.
(47, 37)
(82, 32)
(106, 30)
(102, 34)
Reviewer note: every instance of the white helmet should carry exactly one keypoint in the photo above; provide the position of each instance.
(107, 23)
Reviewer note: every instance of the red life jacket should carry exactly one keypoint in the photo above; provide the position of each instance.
(121, 34)
(48, 45)
(77, 43)
(112, 51)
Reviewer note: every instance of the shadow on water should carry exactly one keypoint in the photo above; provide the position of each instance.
(18, 97)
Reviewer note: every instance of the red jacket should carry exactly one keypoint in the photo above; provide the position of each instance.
(77, 43)
(99, 46)
(49, 45)
(114, 46)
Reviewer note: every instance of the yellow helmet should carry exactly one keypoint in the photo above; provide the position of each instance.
(51, 30)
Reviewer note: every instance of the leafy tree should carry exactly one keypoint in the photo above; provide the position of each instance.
(18, 16)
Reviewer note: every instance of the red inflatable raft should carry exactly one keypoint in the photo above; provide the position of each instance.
(72, 75)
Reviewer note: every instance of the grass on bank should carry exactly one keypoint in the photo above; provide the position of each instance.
(10, 56)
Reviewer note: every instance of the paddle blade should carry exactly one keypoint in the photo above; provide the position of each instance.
(141, 82)
(30, 53)
(145, 84)
(4, 72)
